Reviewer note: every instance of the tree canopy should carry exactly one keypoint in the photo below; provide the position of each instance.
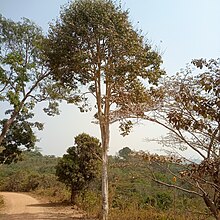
(188, 105)
(20, 136)
(124, 153)
(94, 44)
(24, 79)
(21, 69)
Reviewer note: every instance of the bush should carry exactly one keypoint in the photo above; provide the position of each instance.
(21, 182)
(163, 200)
(90, 201)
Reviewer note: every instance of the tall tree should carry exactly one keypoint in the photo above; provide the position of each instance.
(188, 105)
(21, 69)
(80, 165)
(94, 49)
(24, 79)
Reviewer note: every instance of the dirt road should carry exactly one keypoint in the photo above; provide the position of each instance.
(20, 206)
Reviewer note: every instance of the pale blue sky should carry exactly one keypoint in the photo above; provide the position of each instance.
(181, 29)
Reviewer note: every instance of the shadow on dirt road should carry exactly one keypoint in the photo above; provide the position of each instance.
(37, 216)
(20, 206)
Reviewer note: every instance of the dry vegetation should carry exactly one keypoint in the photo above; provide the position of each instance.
(133, 195)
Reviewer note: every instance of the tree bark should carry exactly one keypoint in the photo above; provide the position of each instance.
(211, 207)
(105, 145)
(103, 115)
(73, 196)
(105, 206)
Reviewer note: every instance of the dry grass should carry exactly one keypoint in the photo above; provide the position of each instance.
(154, 214)
(91, 204)
(1, 202)
(53, 194)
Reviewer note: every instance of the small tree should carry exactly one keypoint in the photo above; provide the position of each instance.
(124, 152)
(80, 165)
(94, 50)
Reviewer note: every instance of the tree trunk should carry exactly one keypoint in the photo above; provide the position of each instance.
(73, 196)
(211, 207)
(105, 132)
(105, 145)
(105, 206)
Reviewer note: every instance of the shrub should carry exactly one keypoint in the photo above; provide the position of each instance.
(163, 200)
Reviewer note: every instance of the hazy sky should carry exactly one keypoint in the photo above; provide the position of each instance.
(181, 29)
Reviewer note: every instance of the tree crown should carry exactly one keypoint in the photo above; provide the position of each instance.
(94, 44)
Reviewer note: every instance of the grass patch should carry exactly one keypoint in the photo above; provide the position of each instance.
(151, 213)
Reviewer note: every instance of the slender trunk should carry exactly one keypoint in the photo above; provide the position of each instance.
(105, 145)
(104, 123)
(105, 206)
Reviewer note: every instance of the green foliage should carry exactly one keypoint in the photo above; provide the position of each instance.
(90, 201)
(133, 195)
(33, 173)
(124, 153)
(94, 43)
(164, 200)
(80, 165)
(19, 136)
(19, 60)
(21, 181)
(21, 81)
(24, 81)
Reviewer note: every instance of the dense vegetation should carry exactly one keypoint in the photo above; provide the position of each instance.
(133, 194)
(32, 172)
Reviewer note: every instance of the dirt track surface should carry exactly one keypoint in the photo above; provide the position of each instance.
(20, 206)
